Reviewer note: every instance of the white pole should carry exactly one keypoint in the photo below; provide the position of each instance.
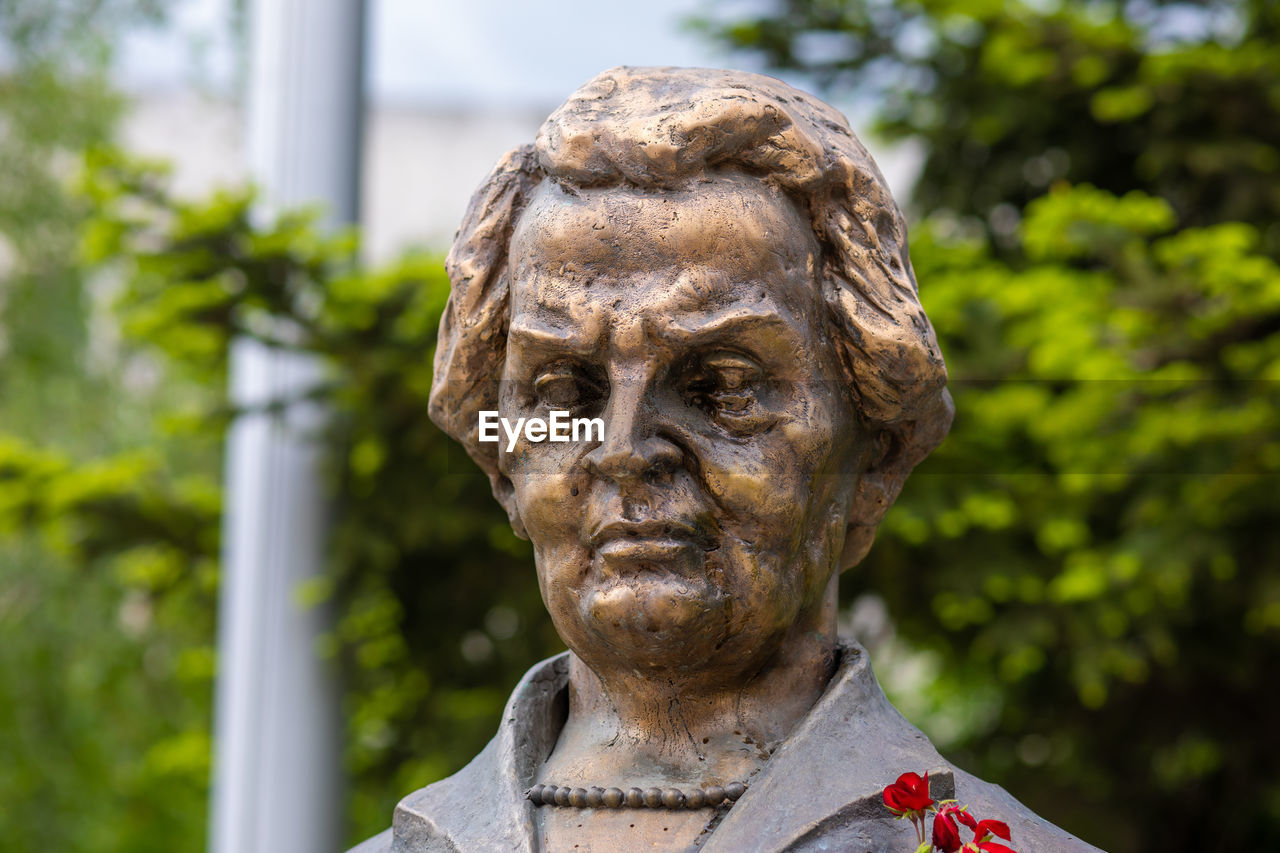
(277, 769)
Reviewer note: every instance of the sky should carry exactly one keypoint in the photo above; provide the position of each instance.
(445, 53)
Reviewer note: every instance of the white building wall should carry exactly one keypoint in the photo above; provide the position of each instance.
(420, 165)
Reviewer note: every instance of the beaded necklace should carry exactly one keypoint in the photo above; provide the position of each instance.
(634, 798)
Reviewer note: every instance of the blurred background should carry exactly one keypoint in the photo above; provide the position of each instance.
(1077, 596)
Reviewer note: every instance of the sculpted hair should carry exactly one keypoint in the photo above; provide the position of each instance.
(659, 128)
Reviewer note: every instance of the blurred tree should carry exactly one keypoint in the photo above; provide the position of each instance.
(54, 103)
(1177, 98)
(1093, 551)
(1091, 559)
(104, 686)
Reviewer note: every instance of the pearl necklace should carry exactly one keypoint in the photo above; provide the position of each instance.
(654, 798)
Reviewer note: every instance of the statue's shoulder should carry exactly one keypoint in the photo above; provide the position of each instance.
(1031, 833)
(823, 788)
(482, 806)
(864, 825)
(428, 820)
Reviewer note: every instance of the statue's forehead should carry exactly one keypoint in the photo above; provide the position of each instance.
(716, 241)
(727, 222)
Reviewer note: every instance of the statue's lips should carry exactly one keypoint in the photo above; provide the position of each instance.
(646, 540)
(658, 548)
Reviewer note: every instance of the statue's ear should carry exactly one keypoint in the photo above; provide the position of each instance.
(892, 456)
(878, 488)
(505, 492)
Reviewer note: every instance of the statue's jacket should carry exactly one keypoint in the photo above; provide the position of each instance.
(821, 790)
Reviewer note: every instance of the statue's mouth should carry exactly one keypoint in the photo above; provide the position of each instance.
(656, 548)
(650, 540)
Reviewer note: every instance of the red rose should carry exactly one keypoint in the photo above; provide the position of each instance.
(946, 836)
(909, 794)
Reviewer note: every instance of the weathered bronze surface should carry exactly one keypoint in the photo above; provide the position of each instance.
(710, 262)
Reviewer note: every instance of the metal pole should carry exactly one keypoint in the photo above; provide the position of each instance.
(277, 770)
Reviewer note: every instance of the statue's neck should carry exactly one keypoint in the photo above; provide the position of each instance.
(628, 728)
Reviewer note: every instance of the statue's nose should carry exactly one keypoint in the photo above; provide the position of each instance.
(642, 460)
(631, 450)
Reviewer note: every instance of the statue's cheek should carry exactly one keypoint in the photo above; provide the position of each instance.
(764, 486)
(550, 504)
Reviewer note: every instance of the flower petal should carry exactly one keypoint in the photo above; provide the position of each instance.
(993, 847)
(946, 837)
(998, 828)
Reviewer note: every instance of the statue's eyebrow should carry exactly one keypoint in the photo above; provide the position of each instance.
(530, 333)
(732, 323)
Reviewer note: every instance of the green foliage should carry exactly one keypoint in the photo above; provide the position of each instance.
(100, 683)
(1180, 100)
(105, 664)
(1099, 526)
(107, 587)
(54, 103)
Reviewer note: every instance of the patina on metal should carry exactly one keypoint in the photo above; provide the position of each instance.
(711, 263)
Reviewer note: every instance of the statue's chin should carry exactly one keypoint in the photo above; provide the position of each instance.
(658, 622)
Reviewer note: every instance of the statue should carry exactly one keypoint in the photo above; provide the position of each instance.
(709, 264)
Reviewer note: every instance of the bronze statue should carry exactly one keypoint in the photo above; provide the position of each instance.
(709, 263)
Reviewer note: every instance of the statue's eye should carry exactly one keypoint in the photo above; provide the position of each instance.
(725, 383)
(730, 371)
(563, 387)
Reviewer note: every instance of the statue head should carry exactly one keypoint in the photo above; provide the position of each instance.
(711, 264)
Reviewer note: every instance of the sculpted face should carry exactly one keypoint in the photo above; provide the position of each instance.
(710, 520)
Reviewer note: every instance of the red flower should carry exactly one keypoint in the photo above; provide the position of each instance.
(909, 794)
(982, 832)
(987, 828)
(946, 836)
